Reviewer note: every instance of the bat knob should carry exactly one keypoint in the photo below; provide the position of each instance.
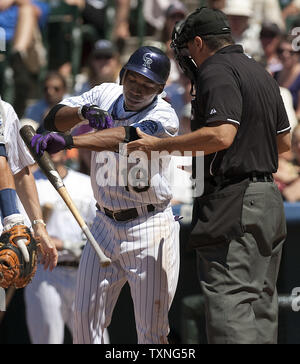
(106, 263)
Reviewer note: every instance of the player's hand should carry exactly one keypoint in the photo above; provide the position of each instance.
(51, 142)
(47, 247)
(98, 119)
(146, 143)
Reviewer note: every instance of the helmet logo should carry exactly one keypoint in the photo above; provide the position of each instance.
(147, 60)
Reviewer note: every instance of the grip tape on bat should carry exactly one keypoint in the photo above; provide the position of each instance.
(45, 163)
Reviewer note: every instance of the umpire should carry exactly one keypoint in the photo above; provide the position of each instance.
(239, 228)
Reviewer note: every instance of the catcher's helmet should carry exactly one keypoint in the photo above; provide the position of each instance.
(150, 62)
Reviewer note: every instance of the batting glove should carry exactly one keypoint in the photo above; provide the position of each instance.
(98, 119)
(51, 142)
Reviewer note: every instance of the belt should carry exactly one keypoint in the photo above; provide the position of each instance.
(124, 215)
(253, 177)
(261, 177)
(68, 264)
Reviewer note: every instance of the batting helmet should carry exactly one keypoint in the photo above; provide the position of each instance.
(150, 62)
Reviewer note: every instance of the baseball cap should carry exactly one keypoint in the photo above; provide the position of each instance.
(177, 7)
(105, 48)
(239, 8)
(205, 21)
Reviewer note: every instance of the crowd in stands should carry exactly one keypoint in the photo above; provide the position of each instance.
(56, 48)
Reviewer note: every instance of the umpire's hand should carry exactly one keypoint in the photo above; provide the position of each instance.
(146, 143)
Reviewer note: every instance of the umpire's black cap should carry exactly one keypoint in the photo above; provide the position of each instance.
(206, 21)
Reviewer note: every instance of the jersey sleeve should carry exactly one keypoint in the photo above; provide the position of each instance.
(220, 95)
(17, 153)
(99, 95)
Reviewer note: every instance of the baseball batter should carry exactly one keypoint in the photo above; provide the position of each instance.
(134, 225)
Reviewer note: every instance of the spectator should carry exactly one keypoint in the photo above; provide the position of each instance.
(20, 20)
(243, 32)
(289, 76)
(288, 175)
(174, 13)
(94, 12)
(291, 9)
(178, 95)
(103, 66)
(120, 31)
(288, 104)
(54, 91)
(267, 11)
(154, 14)
(270, 37)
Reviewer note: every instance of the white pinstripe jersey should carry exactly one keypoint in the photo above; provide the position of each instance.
(18, 155)
(157, 119)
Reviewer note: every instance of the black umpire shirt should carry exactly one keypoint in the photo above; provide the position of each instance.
(233, 88)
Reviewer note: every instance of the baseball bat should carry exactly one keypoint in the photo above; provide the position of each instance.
(45, 163)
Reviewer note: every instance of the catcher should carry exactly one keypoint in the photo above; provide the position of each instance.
(18, 247)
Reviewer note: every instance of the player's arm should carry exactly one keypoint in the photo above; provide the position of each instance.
(63, 118)
(7, 189)
(208, 139)
(283, 142)
(27, 192)
(108, 139)
(8, 205)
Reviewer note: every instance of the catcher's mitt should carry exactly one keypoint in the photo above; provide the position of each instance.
(14, 271)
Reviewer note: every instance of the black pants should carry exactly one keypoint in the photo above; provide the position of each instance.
(238, 279)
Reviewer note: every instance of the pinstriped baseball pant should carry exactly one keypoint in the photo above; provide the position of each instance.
(144, 252)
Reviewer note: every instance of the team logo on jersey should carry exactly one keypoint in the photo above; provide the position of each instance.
(147, 60)
(148, 125)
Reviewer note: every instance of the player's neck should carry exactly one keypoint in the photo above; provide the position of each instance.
(126, 108)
